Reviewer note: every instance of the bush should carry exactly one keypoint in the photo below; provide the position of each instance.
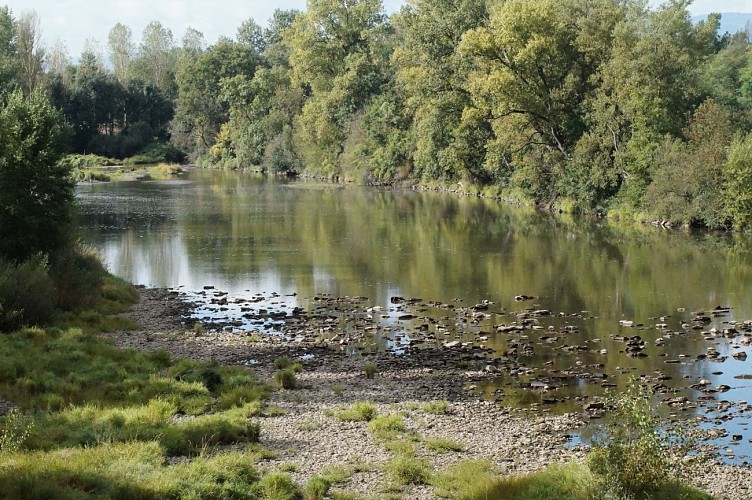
(387, 426)
(27, 294)
(317, 488)
(370, 370)
(408, 470)
(36, 193)
(286, 378)
(361, 411)
(278, 486)
(637, 458)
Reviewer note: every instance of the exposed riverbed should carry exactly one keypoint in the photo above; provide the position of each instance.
(307, 436)
(553, 312)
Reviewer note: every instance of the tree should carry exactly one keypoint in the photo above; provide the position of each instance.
(336, 54)
(120, 44)
(30, 50)
(251, 34)
(58, 59)
(36, 194)
(431, 76)
(157, 57)
(201, 110)
(7, 51)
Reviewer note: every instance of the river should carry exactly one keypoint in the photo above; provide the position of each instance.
(594, 290)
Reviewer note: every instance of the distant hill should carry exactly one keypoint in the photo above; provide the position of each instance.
(730, 21)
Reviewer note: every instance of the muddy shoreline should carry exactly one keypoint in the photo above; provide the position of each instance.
(307, 436)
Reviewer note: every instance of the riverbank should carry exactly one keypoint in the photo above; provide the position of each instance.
(308, 435)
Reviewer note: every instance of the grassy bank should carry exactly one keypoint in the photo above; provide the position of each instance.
(94, 420)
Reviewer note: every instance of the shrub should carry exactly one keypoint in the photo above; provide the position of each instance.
(408, 470)
(636, 458)
(278, 486)
(286, 378)
(317, 488)
(27, 294)
(387, 426)
(361, 411)
(443, 445)
(370, 370)
(436, 407)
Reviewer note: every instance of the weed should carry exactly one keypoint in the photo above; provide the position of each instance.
(338, 389)
(361, 411)
(637, 458)
(468, 479)
(282, 362)
(317, 488)
(404, 470)
(278, 486)
(387, 426)
(14, 430)
(370, 369)
(288, 467)
(443, 445)
(400, 447)
(286, 378)
(436, 407)
(198, 328)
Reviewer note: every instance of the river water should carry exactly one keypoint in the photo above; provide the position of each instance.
(603, 289)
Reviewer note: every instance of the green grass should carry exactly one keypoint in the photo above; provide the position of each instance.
(405, 470)
(475, 480)
(467, 479)
(361, 411)
(387, 426)
(436, 407)
(100, 421)
(127, 470)
(285, 379)
(443, 445)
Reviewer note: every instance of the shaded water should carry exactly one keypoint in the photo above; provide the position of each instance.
(245, 234)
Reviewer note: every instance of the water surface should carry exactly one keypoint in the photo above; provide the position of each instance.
(287, 241)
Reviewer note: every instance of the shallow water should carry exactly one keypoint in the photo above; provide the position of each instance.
(279, 243)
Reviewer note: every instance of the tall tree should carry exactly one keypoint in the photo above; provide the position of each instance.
(31, 52)
(336, 54)
(432, 74)
(7, 51)
(158, 57)
(121, 49)
(36, 194)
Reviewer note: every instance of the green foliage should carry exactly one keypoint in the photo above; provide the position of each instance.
(127, 470)
(405, 470)
(79, 161)
(14, 430)
(317, 488)
(361, 411)
(370, 369)
(436, 407)
(278, 486)
(443, 445)
(36, 193)
(387, 426)
(286, 378)
(638, 458)
(27, 294)
(737, 173)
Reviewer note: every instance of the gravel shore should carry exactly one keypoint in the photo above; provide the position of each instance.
(307, 437)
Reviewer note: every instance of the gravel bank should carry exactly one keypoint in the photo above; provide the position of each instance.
(307, 436)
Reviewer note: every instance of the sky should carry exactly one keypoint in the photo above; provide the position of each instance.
(74, 21)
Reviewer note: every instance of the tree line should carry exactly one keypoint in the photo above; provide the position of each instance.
(600, 106)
